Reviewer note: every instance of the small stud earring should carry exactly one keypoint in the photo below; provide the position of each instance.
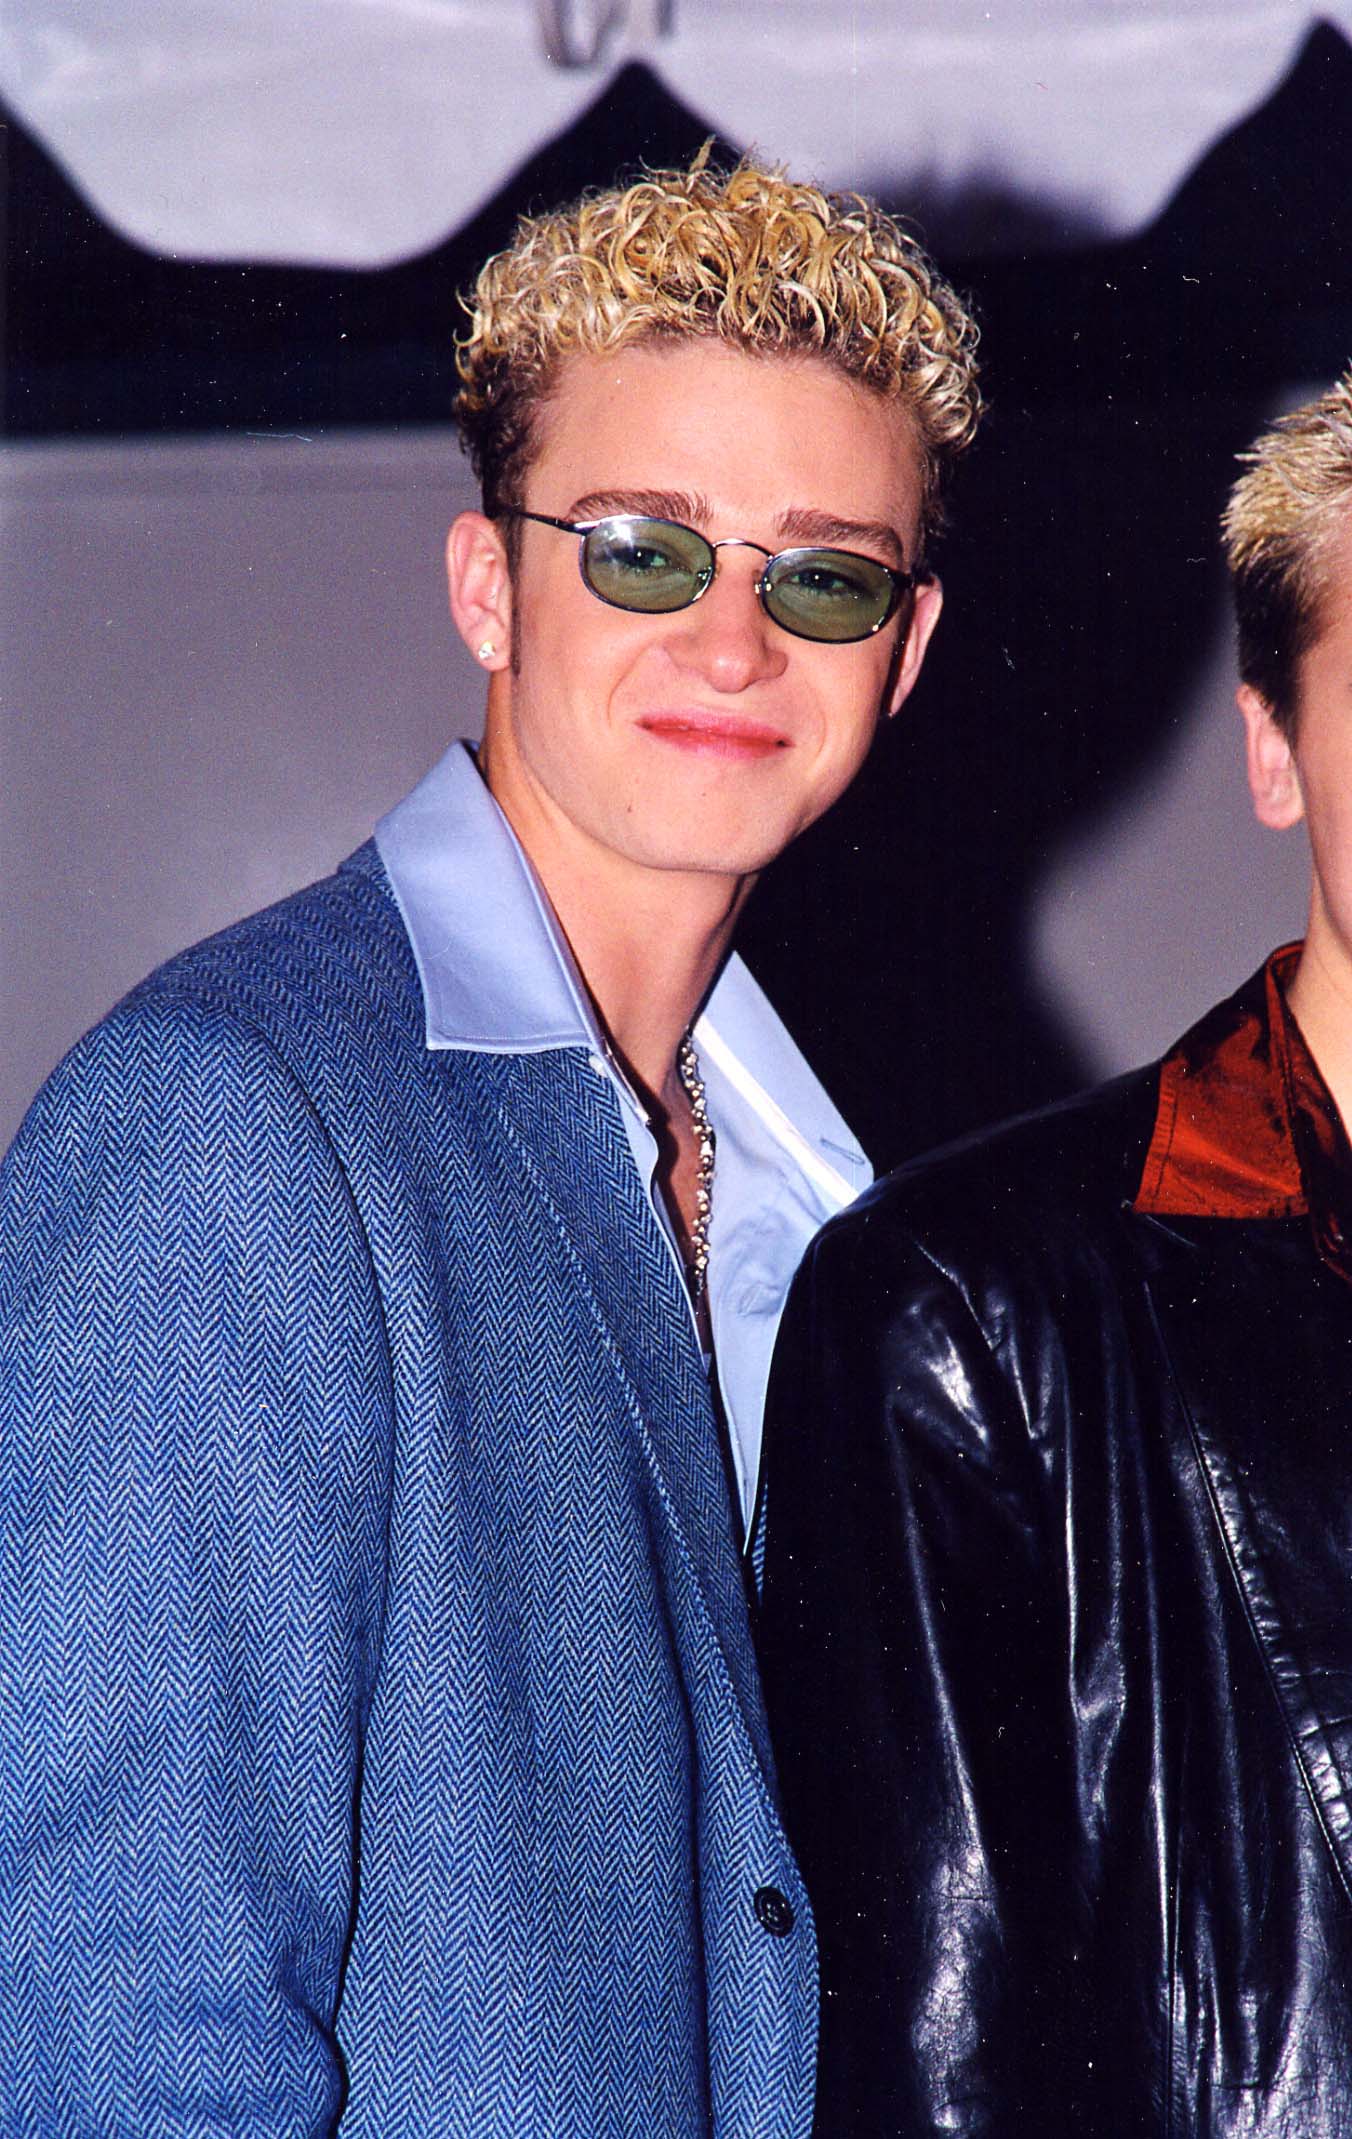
(487, 650)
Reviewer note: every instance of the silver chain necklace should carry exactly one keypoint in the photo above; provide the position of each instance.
(687, 1067)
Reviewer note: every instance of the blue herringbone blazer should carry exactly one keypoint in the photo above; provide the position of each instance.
(381, 1749)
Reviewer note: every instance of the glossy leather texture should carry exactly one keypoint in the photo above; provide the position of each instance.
(1057, 1642)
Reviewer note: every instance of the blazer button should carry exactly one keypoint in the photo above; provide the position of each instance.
(774, 1911)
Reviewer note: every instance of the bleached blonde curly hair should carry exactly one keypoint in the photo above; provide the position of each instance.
(1283, 515)
(747, 256)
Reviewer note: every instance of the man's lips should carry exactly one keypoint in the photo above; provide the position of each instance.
(723, 735)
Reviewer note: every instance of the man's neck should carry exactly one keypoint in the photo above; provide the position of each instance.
(648, 945)
(1320, 996)
(648, 941)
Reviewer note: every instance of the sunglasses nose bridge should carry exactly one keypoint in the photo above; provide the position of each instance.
(744, 542)
(741, 542)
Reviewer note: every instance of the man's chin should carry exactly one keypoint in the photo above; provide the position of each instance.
(728, 858)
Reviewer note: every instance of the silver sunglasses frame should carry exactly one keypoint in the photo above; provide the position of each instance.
(903, 583)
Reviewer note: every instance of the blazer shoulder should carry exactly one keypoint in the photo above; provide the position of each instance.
(325, 979)
(320, 986)
(336, 941)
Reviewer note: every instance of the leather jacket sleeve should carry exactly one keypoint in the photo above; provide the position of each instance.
(914, 1586)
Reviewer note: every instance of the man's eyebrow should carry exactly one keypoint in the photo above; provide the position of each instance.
(802, 523)
(654, 504)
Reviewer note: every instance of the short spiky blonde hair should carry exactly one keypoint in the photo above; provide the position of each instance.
(747, 256)
(1289, 506)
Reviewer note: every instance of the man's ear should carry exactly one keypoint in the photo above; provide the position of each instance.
(925, 606)
(1274, 781)
(480, 589)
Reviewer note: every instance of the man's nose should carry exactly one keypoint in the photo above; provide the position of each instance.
(726, 635)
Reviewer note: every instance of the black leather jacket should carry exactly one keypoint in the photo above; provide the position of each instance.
(1057, 1639)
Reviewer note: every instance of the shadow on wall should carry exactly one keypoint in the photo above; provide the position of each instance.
(897, 937)
(1082, 579)
(1081, 565)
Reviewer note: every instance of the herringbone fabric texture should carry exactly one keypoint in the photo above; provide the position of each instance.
(380, 1744)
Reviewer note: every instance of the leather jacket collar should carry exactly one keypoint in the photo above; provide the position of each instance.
(1245, 1126)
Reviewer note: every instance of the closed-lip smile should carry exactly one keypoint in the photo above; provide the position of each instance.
(713, 734)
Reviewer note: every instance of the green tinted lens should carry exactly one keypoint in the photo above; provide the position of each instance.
(829, 594)
(653, 565)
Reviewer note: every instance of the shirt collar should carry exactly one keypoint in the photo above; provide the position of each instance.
(498, 977)
(496, 973)
(1245, 1125)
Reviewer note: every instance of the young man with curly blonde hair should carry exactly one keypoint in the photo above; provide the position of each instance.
(1057, 1630)
(389, 1284)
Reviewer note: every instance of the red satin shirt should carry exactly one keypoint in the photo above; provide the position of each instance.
(1247, 1128)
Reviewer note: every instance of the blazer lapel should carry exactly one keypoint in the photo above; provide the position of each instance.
(565, 1122)
(1259, 1338)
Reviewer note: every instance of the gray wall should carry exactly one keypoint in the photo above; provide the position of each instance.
(1172, 899)
(221, 661)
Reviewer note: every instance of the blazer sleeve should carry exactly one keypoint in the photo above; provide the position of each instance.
(194, 1419)
(914, 1676)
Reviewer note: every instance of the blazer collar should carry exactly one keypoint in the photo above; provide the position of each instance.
(564, 1122)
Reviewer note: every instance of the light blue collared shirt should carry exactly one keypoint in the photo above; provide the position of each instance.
(497, 976)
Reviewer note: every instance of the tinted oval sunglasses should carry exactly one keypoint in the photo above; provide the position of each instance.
(656, 566)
